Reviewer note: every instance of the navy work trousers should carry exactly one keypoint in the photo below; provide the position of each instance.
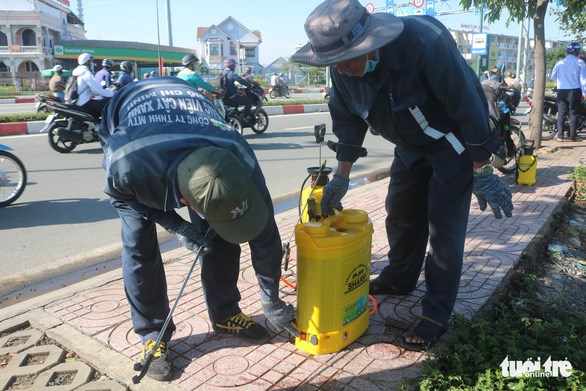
(420, 208)
(569, 104)
(145, 283)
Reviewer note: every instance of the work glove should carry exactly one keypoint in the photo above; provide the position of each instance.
(281, 315)
(192, 239)
(489, 189)
(333, 193)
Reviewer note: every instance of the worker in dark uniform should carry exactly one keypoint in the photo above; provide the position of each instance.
(165, 147)
(406, 79)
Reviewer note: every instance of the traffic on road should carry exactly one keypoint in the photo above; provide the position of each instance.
(63, 223)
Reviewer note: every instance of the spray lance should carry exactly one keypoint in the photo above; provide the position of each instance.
(319, 178)
(150, 355)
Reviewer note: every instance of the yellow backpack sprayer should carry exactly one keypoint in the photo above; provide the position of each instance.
(333, 269)
(527, 166)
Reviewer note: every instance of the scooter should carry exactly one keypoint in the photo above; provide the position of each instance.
(12, 176)
(234, 115)
(69, 126)
(282, 90)
(41, 103)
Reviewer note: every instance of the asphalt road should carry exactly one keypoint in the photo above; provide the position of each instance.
(64, 223)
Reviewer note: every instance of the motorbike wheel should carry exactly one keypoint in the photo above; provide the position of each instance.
(12, 178)
(262, 122)
(56, 142)
(548, 127)
(288, 93)
(273, 94)
(236, 124)
(511, 154)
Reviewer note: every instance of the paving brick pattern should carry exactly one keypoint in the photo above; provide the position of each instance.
(206, 360)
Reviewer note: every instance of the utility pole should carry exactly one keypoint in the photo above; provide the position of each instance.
(169, 23)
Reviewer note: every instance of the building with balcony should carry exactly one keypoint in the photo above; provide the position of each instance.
(229, 39)
(29, 31)
(502, 49)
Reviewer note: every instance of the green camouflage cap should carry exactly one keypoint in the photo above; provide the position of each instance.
(217, 185)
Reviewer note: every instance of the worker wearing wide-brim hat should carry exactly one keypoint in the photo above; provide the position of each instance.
(405, 78)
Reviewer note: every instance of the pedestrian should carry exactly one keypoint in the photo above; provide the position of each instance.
(163, 152)
(569, 74)
(57, 83)
(406, 78)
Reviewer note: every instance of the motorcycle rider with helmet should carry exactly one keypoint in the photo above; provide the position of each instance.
(88, 86)
(126, 76)
(190, 61)
(233, 97)
(570, 76)
(105, 74)
(247, 74)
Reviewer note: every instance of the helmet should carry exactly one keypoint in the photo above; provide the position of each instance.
(108, 63)
(188, 59)
(573, 48)
(126, 66)
(230, 63)
(153, 74)
(146, 75)
(84, 58)
(57, 68)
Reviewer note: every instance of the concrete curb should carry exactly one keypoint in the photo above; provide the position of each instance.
(16, 128)
(33, 127)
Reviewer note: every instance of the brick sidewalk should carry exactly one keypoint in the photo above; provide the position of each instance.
(92, 318)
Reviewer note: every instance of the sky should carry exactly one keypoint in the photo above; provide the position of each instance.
(280, 22)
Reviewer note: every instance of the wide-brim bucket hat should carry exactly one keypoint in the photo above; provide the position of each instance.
(339, 30)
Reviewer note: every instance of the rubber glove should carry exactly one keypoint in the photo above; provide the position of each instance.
(489, 189)
(192, 239)
(333, 193)
(281, 315)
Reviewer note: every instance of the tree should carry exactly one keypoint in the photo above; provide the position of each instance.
(572, 18)
(518, 11)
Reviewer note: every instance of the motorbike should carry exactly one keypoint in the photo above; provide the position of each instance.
(278, 91)
(12, 176)
(550, 119)
(41, 102)
(511, 139)
(326, 94)
(234, 114)
(69, 126)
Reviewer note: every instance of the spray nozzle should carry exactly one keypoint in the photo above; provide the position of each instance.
(319, 131)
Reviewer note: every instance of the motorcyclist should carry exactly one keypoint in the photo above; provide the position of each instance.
(88, 86)
(105, 74)
(247, 74)
(190, 61)
(233, 97)
(126, 76)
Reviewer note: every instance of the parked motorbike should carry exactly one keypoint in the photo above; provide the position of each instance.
(278, 91)
(41, 102)
(69, 126)
(234, 114)
(511, 138)
(12, 176)
(549, 124)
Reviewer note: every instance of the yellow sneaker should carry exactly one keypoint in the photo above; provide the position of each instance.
(161, 368)
(242, 325)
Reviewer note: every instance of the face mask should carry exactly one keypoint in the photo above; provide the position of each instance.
(370, 65)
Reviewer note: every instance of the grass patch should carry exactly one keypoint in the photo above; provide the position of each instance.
(23, 117)
(523, 325)
(579, 175)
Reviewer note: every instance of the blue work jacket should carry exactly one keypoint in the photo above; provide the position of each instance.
(421, 89)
